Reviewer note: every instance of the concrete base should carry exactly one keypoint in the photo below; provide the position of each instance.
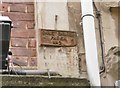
(39, 81)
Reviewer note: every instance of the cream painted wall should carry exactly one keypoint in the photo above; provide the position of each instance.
(46, 15)
(60, 59)
(109, 26)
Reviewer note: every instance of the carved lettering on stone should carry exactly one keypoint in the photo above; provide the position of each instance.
(58, 38)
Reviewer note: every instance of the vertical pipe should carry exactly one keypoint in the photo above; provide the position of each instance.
(90, 42)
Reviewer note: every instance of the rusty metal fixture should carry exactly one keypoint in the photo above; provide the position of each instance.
(58, 38)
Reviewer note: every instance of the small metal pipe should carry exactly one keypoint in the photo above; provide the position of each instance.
(30, 72)
(101, 38)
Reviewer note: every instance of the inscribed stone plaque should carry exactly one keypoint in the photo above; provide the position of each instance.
(57, 38)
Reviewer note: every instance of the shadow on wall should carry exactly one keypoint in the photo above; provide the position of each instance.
(115, 12)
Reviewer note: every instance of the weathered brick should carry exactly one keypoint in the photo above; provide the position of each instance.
(23, 42)
(22, 29)
(0, 7)
(23, 52)
(19, 33)
(19, 42)
(19, 24)
(19, 16)
(30, 8)
(22, 61)
(33, 52)
(32, 43)
(4, 7)
(33, 62)
(18, 8)
(23, 24)
(19, 1)
(30, 25)
(32, 33)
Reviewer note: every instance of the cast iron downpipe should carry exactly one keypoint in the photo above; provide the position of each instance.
(90, 42)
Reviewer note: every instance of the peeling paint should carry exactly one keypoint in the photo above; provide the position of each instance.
(70, 61)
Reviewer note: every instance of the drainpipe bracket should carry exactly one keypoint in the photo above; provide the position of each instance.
(87, 15)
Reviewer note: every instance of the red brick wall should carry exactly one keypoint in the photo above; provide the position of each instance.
(23, 36)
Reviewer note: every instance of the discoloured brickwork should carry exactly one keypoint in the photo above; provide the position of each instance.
(68, 61)
(23, 34)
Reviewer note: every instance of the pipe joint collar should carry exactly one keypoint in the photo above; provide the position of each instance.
(87, 15)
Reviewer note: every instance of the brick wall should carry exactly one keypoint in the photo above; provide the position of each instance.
(23, 39)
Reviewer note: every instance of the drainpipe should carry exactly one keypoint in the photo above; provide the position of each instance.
(90, 42)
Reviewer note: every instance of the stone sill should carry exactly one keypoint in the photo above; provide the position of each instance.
(36, 80)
